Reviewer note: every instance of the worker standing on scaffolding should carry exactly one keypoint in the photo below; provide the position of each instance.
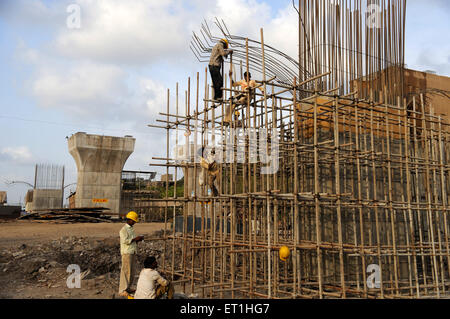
(219, 51)
(248, 87)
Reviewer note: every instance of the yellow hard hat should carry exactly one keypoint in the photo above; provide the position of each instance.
(225, 41)
(284, 253)
(133, 216)
(237, 113)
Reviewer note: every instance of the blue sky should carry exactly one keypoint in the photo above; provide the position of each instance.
(110, 76)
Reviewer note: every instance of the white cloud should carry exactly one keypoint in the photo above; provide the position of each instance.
(428, 42)
(146, 32)
(282, 32)
(153, 94)
(429, 59)
(86, 75)
(17, 154)
(83, 89)
(126, 32)
(91, 91)
(26, 54)
(244, 17)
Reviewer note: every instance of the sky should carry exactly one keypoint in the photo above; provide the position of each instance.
(110, 76)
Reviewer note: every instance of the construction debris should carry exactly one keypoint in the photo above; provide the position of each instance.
(45, 264)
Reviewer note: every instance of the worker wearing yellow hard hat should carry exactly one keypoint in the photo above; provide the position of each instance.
(284, 253)
(133, 216)
(226, 42)
(128, 250)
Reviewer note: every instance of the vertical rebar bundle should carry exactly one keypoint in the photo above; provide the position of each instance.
(49, 176)
(361, 42)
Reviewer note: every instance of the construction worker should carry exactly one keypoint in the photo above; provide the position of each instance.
(210, 170)
(219, 51)
(151, 285)
(128, 250)
(247, 87)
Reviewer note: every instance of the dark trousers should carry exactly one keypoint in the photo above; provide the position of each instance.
(217, 80)
(212, 175)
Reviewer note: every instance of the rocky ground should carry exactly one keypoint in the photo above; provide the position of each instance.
(35, 266)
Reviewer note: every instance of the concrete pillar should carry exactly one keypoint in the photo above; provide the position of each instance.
(100, 160)
(46, 199)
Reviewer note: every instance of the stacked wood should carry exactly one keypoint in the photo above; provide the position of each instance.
(72, 215)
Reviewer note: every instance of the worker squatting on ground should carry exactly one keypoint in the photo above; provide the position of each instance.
(248, 87)
(128, 250)
(219, 51)
(210, 170)
(151, 285)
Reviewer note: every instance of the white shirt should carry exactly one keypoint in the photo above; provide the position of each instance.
(147, 283)
(126, 235)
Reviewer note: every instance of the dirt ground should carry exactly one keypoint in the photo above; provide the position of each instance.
(34, 257)
(24, 232)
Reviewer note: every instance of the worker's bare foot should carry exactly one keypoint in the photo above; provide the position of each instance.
(124, 294)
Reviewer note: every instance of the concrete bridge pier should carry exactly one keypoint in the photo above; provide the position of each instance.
(100, 160)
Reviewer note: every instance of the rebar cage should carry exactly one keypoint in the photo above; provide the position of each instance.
(360, 196)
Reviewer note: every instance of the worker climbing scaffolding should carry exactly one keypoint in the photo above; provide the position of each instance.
(210, 170)
(218, 53)
(247, 94)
